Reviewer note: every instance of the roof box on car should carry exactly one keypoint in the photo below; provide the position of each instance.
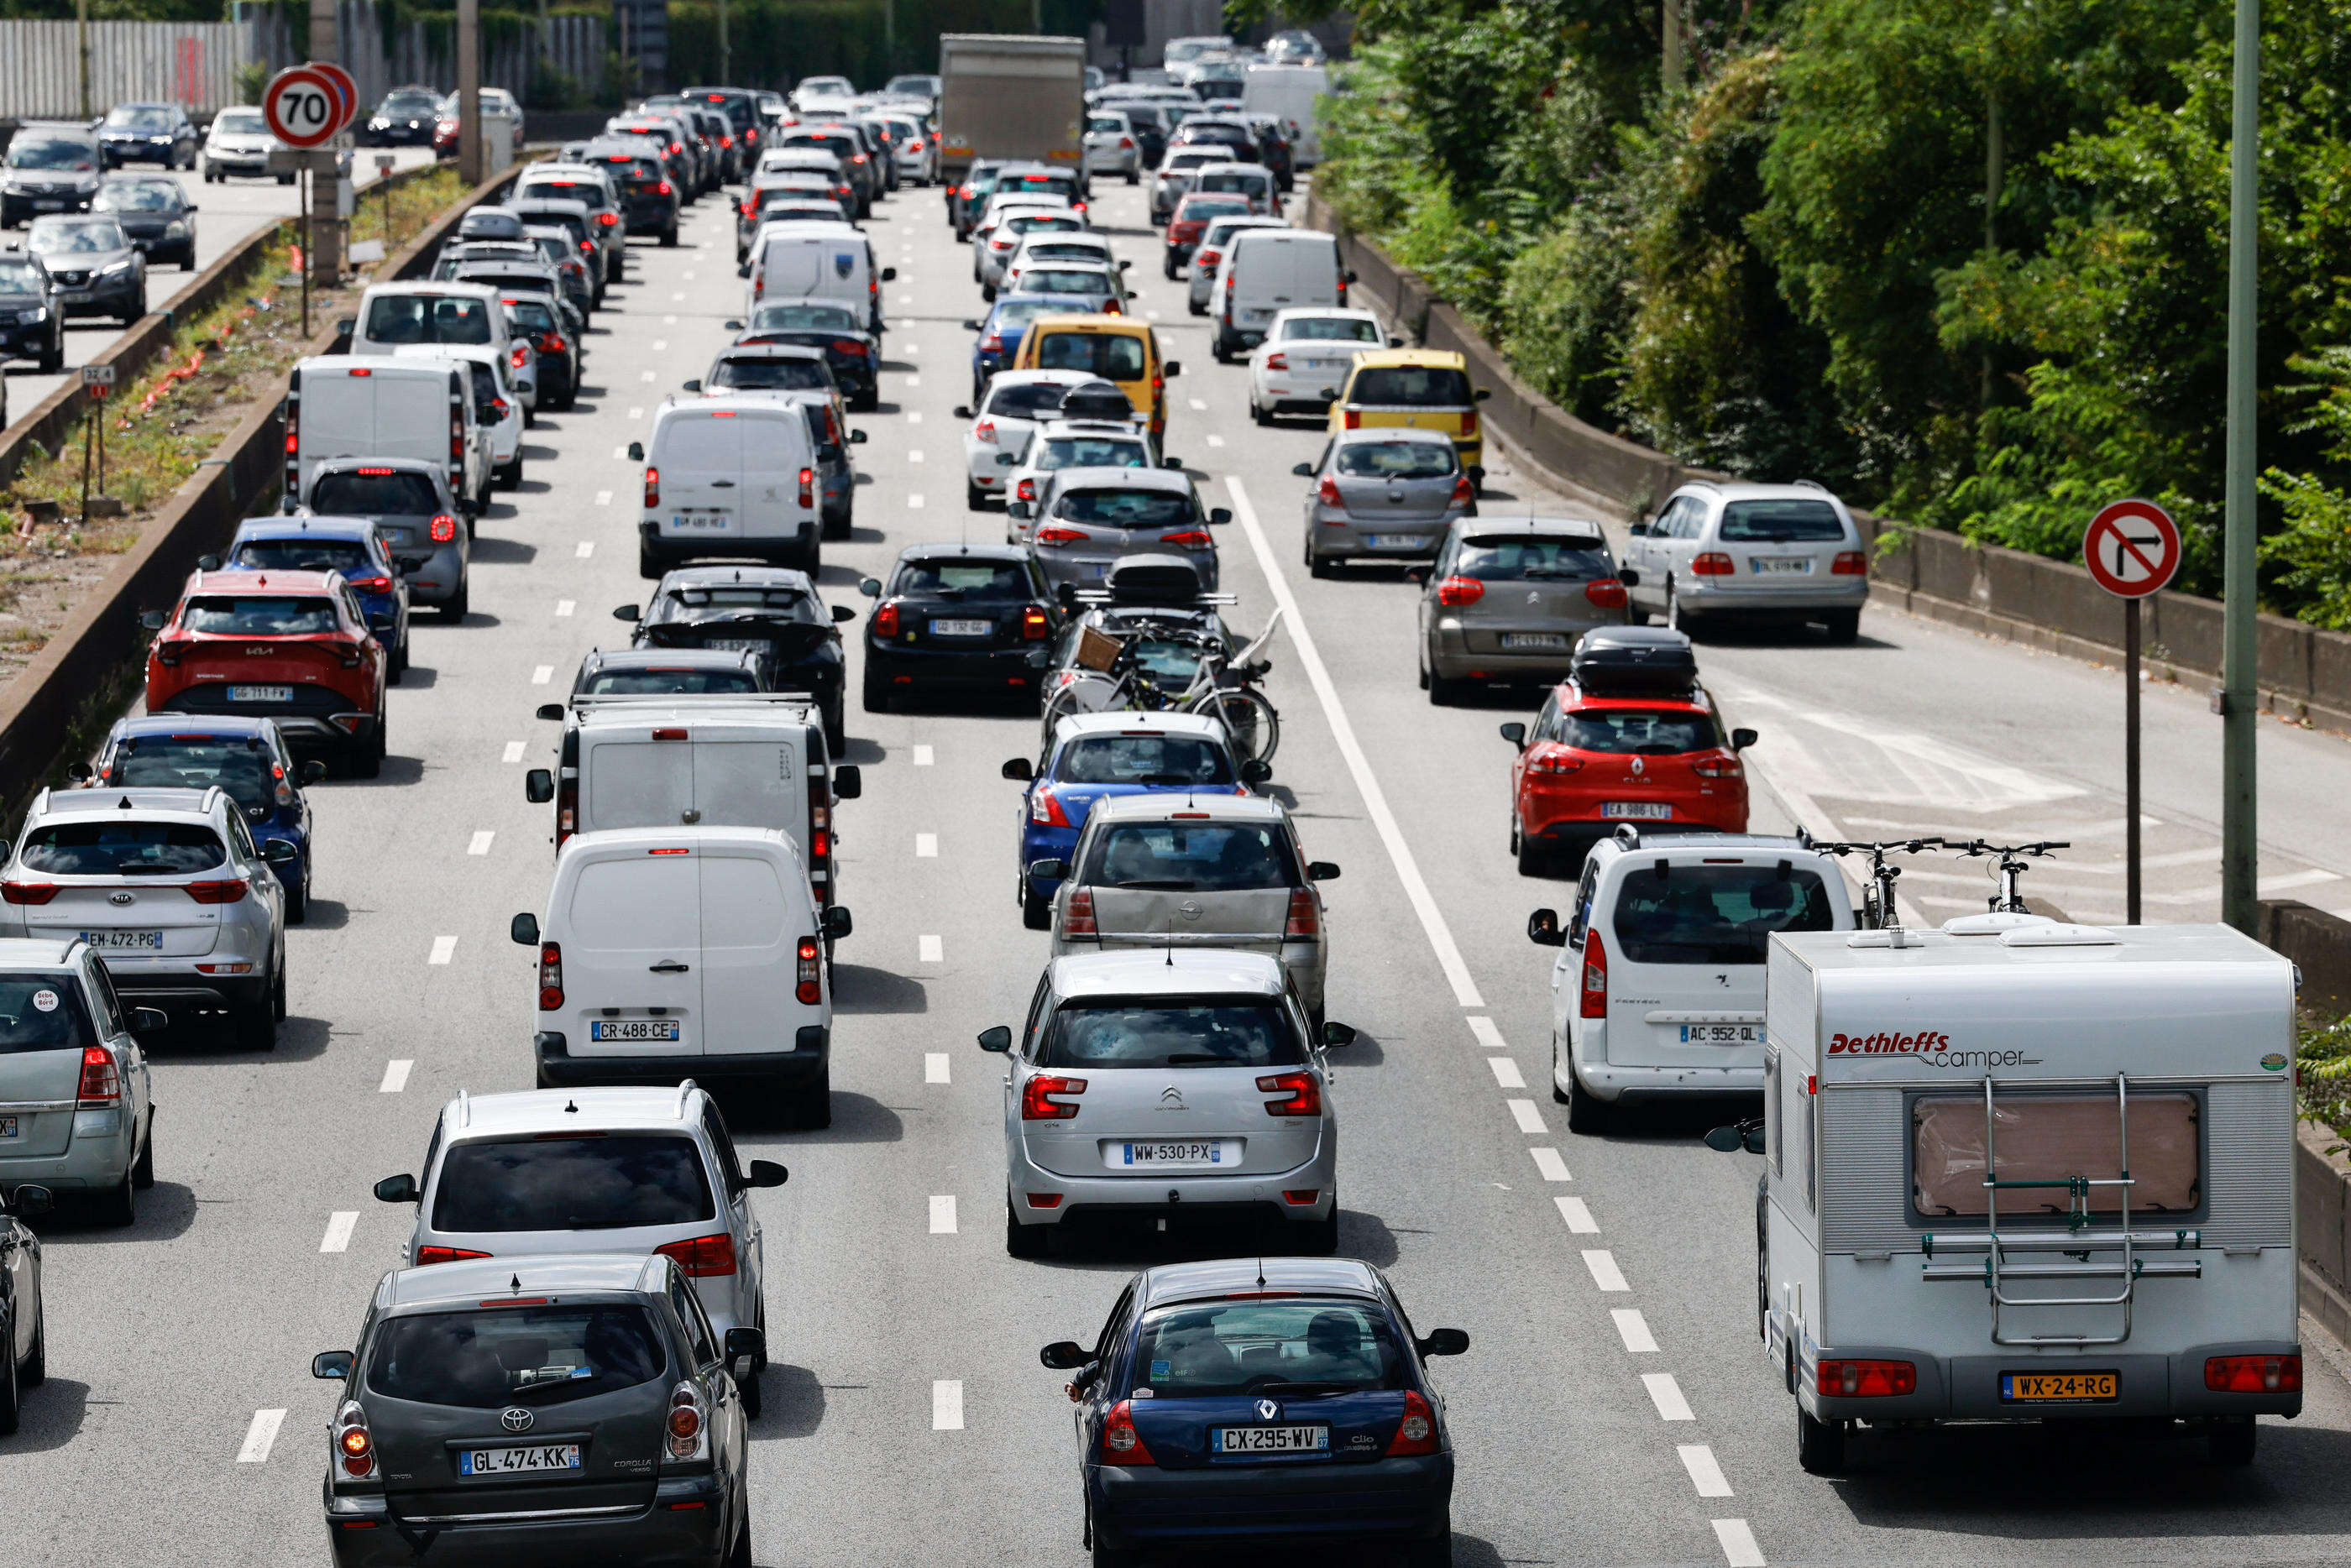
(1634, 661)
(1096, 400)
(1154, 580)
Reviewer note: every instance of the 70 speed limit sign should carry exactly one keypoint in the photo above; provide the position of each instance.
(303, 107)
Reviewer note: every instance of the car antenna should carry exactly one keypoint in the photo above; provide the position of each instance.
(514, 1281)
(571, 1108)
(1260, 1273)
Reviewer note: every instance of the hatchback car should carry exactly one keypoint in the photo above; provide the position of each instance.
(1189, 222)
(1095, 517)
(841, 334)
(1017, 402)
(409, 503)
(23, 1313)
(239, 142)
(1101, 289)
(1000, 234)
(665, 672)
(570, 1408)
(1305, 358)
(1168, 1085)
(352, 545)
(167, 886)
(1511, 600)
(405, 118)
(1051, 247)
(158, 133)
(1387, 494)
(248, 757)
(1419, 389)
(50, 169)
(155, 211)
(1111, 145)
(1070, 444)
(32, 321)
(1000, 332)
(1782, 552)
(98, 271)
(1262, 1401)
(1177, 170)
(770, 612)
(977, 619)
(77, 1107)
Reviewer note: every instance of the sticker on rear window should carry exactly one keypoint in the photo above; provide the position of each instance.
(1161, 1368)
(46, 1000)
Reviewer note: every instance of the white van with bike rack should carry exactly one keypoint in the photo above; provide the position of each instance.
(2020, 1170)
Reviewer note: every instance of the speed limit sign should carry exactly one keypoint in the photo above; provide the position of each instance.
(302, 107)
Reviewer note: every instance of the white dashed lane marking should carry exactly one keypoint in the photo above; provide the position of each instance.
(513, 753)
(914, 454)
(947, 1405)
(480, 843)
(1634, 1330)
(1577, 1217)
(339, 1231)
(922, 755)
(1216, 440)
(1506, 1073)
(1487, 1034)
(1666, 1396)
(929, 949)
(943, 1214)
(915, 502)
(914, 381)
(1704, 1473)
(604, 498)
(396, 1075)
(635, 414)
(565, 607)
(444, 948)
(260, 1436)
(1198, 406)
(1547, 1160)
(914, 416)
(926, 846)
(1737, 1542)
(934, 1067)
(1605, 1271)
(541, 675)
(587, 548)
(1529, 1119)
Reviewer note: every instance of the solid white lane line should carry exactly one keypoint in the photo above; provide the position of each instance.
(587, 548)
(1506, 1073)
(443, 949)
(339, 1231)
(259, 1436)
(1548, 1161)
(926, 846)
(1666, 1396)
(1577, 1217)
(1737, 1542)
(934, 1067)
(1634, 1330)
(929, 950)
(943, 1214)
(922, 755)
(1529, 1119)
(1487, 1034)
(1704, 1473)
(395, 1075)
(1605, 1271)
(915, 502)
(1375, 800)
(913, 454)
(947, 1405)
(604, 498)
(480, 843)
(542, 675)
(565, 607)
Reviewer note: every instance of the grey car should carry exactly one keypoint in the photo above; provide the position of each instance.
(1098, 516)
(32, 325)
(409, 501)
(24, 1315)
(577, 1407)
(1389, 494)
(1508, 601)
(664, 672)
(76, 1111)
(50, 169)
(98, 271)
(155, 211)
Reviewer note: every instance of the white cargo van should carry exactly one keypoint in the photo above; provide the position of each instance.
(729, 478)
(815, 260)
(1266, 270)
(380, 405)
(685, 952)
(1291, 92)
(2017, 1170)
(463, 314)
(497, 404)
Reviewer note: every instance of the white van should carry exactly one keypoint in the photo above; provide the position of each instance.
(685, 952)
(800, 260)
(497, 403)
(461, 314)
(1291, 91)
(1253, 182)
(1270, 270)
(728, 478)
(380, 405)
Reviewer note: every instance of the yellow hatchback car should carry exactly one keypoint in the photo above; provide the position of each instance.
(1421, 389)
(1116, 347)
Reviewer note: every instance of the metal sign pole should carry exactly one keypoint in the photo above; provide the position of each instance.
(2240, 898)
(303, 251)
(2130, 758)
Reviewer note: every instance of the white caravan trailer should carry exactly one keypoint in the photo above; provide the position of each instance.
(2021, 1171)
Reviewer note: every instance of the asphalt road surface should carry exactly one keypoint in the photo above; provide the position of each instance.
(1614, 1407)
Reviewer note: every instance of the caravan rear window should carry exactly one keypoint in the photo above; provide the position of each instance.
(2050, 1138)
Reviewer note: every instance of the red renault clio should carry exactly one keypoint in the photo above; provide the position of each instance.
(289, 646)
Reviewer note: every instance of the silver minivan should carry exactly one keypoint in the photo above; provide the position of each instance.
(76, 1112)
(1780, 551)
(1386, 493)
(1507, 600)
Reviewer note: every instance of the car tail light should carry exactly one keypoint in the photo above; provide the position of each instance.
(431, 1254)
(2252, 1373)
(1301, 1095)
(499, 406)
(1720, 766)
(1355, 420)
(808, 487)
(1713, 564)
(354, 1444)
(1050, 536)
(225, 892)
(985, 430)
(1458, 591)
(1463, 493)
(1045, 807)
(1078, 919)
(1554, 763)
(686, 1433)
(1035, 625)
(567, 810)
(703, 1257)
(1469, 423)
(1277, 361)
(285, 785)
(378, 584)
(1303, 921)
(1001, 242)
(1189, 538)
(1869, 1379)
(27, 892)
(849, 346)
(1036, 1101)
(885, 621)
(810, 986)
(1207, 259)
(101, 1085)
(610, 220)
(518, 358)
(653, 487)
(1120, 1443)
(444, 528)
(662, 189)
(1417, 1433)
(587, 247)
(1594, 1002)
(1327, 492)
(1849, 564)
(1127, 144)
(1111, 307)
(1605, 593)
(1026, 490)
(553, 343)
(550, 976)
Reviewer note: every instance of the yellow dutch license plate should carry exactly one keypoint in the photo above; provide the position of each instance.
(2059, 1388)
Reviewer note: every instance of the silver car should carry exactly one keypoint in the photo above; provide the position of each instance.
(1783, 551)
(429, 535)
(1173, 180)
(1100, 287)
(1167, 1086)
(1112, 145)
(1195, 871)
(1071, 443)
(1510, 600)
(1095, 517)
(76, 1112)
(1388, 492)
(999, 235)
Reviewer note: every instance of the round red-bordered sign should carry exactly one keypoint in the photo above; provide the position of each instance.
(302, 107)
(345, 88)
(2132, 548)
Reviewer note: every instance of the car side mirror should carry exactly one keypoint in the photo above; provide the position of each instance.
(1066, 595)
(837, 923)
(1347, 276)
(1395, 340)
(1064, 1356)
(333, 1366)
(1321, 871)
(310, 773)
(278, 851)
(848, 780)
(80, 772)
(693, 386)
(1303, 469)
(401, 1189)
(1329, 394)
(1443, 1342)
(1124, 265)
(1627, 575)
(1639, 528)
(1175, 463)
(1742, 739)
(550, 711)
(628, 612)
(524, 930)
(1516, 734)
(731, 325)
(765, 1173)
(1020, 769)
(208, 563)
(149, 1021)
(889, 274)
(962, 412)
(1737, 1136)
(857, 438)
(869, 587)
(1021, 509)
(1173, 369)
(1219, 515)
(1417, 574)
(743, 269)
(151, 619)
(975, 327)
(1543, 930)
(1052, 870)
(538, 788)
(842, 613)
(1484, 393)
(1335, 1034)
(1256, 770)
(998, 1038)
(636, 451)
(744, 1345)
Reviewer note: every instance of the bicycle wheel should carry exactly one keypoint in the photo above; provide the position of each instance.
(1249, 720)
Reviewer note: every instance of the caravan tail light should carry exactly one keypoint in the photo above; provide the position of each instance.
(2254, 1374)
(1595, 977)
(1872, 1379)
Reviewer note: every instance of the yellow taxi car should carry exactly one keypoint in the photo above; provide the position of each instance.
(1116, 347)
(1421, 389)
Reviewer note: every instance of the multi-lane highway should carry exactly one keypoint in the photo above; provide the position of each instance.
(1614, 1407)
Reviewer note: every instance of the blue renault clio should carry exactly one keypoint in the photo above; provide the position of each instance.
(246, 755)
(351, 545)
(1004, 327)
(1261, 1401)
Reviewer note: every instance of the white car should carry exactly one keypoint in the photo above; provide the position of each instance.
(239, 143)
(1103, 288)
(1781, 551)
(1657, 992)
(1201, 270)
(1057, 445)
(998, 234)
(1054, 246)
(837, 94)
(1173, 180)
(497, 403)
(1306, 355)
(1017, 402)
(1111, 145)
(917, 151)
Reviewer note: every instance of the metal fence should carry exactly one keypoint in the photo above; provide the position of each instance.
(426, 55)
(190, 63)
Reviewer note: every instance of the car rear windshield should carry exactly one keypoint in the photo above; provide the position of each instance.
(1143, 759)
(1190, 857)
(1013, 313)
(1411, 386)
(1112, 356)
(112, 848)
(997, 582)
(767, 604)
(1172, 1031)
(346, 555)
(1204, 1349)
(1126, 508)
(1195, 208)
(801, 212)
(1715, 914)
(1397, 459)
(1042, 222)
(1516, 557)
(1063, 184)
(670, 682)
(41, 1012)
(398, 319)
(395, 494)
(1027, 399)
(772, 375)
(248, 773)
(535, 1355)
(1630, 732)
(817, 317)
(533, 316)
(561, 1183)
(267, 614)
(1065, 280)
(1328, 329)
(1790, 522)
(1091, 451)
(19, 276)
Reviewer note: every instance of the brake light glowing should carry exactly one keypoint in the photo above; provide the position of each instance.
(1355, 420)
(703, 1257)
(885, 621)
(653, 487)
(1303, 922)
(551, 343)
(1120, 1443)
(1458, 591)
(520, 356)
(1049, 537)
(663, 188)
(550, 976)
(372, 473)
(444, 529)
(1594, 1002)
(225, 892)
(985, 430)
(1036, 1101)
(101, 1085)
(1849, 564)
(1035, 625)
(354, 1445)
(1870, 1379)
(27, 892)
(1713, 564)
(377, 585)
(808, 487)
(429, 1255)
(1417, 1433)
(1605, 593)
(810, 986)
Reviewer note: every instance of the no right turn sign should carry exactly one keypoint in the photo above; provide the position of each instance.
(2132, 548)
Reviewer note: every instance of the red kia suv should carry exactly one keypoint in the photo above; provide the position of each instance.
(1591, 762)
(289, 646)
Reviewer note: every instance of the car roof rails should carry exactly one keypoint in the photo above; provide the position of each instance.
(1811, 484)
(1626, 837)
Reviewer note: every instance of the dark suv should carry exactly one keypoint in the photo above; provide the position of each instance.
(586, 1414)
(32, 322)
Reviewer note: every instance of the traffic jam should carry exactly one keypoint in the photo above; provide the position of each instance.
(2003, 1173)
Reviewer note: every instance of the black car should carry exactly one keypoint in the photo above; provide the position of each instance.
(50, 169)
(559, 347)
(578, 221)
(32, 322)
(147, 133)
(840, 332)
(405, 118)
(98, 271)
(587, 1414)
(975, 619)
(155, 211)
(772, 612)
(664, 672)
(649, 198)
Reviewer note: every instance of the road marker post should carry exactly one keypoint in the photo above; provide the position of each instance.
(2132, 549)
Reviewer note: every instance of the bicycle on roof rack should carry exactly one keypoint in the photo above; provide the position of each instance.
(2014, 860)
(1877, 906)
(1220, 685)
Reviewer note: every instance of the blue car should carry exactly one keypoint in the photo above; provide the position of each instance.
(351, 545)
(998, 343)
(1261, 1401)
(1094, 756)
(246, 755)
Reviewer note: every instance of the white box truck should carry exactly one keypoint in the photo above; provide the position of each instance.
(1291, 91)
(1010, 97)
